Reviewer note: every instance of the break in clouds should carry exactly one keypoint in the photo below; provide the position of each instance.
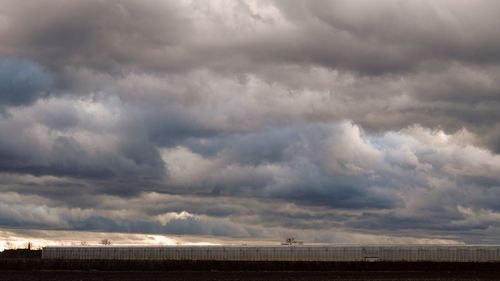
(330, 121)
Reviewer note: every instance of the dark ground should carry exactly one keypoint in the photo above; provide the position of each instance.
(243, 276)
(20, 265)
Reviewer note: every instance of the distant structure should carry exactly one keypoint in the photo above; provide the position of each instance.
(287, 252)
(292, 241)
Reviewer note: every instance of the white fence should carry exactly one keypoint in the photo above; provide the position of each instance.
(279, 253)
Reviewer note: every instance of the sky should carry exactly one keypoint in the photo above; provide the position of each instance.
(199, 121)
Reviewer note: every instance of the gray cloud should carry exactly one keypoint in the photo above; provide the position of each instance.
(94, 33)
(392, 35)
(366, 37)
(22, 82)
(256, 119)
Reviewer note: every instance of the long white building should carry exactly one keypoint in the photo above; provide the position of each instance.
(330, 253)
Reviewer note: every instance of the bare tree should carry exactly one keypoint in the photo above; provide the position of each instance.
(105, 242)
(291, 241)
(9, 245)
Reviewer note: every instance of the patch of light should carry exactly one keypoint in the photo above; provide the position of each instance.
(166, 217)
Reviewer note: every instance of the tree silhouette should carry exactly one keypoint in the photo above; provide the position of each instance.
(105, 242)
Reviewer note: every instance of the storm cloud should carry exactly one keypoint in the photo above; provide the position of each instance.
(330, 121)
(22, 82)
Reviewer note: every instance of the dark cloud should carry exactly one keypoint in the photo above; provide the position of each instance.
(94, 33)
(179, 223)
(393, 36)
(164, 35)
(332, 120)
(63, 149)
(22, 82)
(335, 193)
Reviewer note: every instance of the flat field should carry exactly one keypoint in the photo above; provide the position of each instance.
(54, 275)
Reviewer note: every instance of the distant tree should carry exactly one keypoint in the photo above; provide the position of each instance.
(84, 243)
(291, 241)
(28, 246)
(9, 246)
(105, 242)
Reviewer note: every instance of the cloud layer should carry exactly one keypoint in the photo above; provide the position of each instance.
(331, 121)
